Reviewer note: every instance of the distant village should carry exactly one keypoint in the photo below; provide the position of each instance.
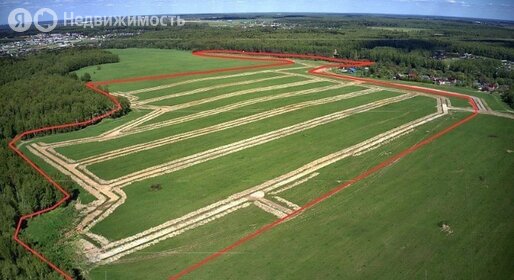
(412, 75)
(443, 55)
(244, 23)
(33, 43)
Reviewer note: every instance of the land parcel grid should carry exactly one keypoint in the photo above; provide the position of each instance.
(213, 146)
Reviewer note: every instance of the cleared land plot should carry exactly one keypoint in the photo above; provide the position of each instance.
(144, 62)
(457, 102)
(178, 88)
(254, 100)
(80, 151)
(176, 252)
(138, 85)
(232, 89)
(369, 230)
(94, 130)
(118, 167)
(339, 172)
(389, 225)
(188, 189)
(358, 232)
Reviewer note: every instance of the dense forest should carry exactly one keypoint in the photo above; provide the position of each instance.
(470, 54)
(37, 91)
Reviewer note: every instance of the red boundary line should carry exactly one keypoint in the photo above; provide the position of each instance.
(276, 59)
(66, 195)
(320, 71)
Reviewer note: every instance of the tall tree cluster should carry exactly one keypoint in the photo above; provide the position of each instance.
(38, 91)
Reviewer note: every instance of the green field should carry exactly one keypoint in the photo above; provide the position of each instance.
(124, 165)
(207, 83)
(198, 186)
(261, 106)
(146, 62)
(401, 29)
(492, 99)
(385, 226)
(94, 130)
(90, 149)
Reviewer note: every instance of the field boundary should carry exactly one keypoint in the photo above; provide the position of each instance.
(275, 59)
(321, 70)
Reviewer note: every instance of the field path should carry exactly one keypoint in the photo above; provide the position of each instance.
(275, 60)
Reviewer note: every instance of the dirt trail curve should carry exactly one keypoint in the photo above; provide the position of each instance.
(273, 60)
(108, 188)
(117, 249)
(322, 71)
(102, 207)
(191, 160)
(219, 127)
(133, 127)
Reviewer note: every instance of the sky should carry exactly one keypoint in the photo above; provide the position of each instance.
(491, 9)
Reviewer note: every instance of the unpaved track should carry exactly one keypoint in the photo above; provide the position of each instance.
(319, 71)
(131, 127)
(109, 192)
(219, 127)
(201, 157)
(102, 207)
(230, 107)
(115, 250)
(190, 81)
(205, 89)
(189, 161)
(100, 185)
(237, 93)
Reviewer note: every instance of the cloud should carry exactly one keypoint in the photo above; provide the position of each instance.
(461, 3)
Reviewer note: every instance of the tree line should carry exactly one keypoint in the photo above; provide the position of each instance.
(37, 91)
(394, 51)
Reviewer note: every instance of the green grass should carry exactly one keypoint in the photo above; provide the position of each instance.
(344, 170)
(145, 62)
(303, 71)
(261, 106)
(124, 165)
(383, 227)
(41, 228)
(386, 226)
(461, 103)
(150, 263)
(188, 189)
(49, 235)
(226, 90)
(328, 179)
(93, 148)
(401, 29)
(92, 130)
(232, 100)
(492, 99)
(201, 84)
(84, 196)
(166, 81)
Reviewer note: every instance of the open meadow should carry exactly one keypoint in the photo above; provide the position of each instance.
(203, 160)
